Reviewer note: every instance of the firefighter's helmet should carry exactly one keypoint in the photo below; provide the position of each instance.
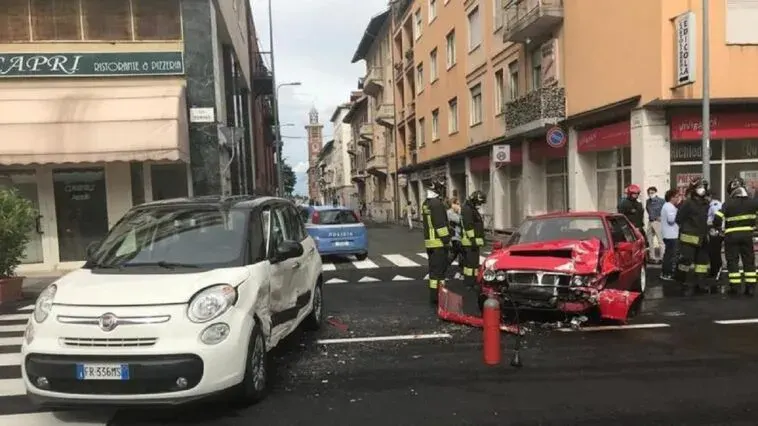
(477, 198)
(438, 187)
(736, 186)
(633, 189)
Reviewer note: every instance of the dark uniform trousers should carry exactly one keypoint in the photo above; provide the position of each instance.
(436, 241)
(472, 240)
(694, 258)
(738, 216)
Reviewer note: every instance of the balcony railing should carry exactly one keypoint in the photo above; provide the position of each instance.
(373, 81)
(263, 79)
(408, 58)
(366, 131)
(377, 164)
(539, 108)
(531, 20)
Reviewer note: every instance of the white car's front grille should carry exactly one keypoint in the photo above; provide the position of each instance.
(108, 343)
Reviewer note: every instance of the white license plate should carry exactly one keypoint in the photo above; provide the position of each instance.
(102, 371)
(342, 243)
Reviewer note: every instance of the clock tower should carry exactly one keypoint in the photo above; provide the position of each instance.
(315, 142)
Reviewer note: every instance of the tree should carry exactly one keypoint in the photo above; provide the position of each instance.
(289, 178)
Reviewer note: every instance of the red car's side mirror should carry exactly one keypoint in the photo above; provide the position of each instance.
(497, 245)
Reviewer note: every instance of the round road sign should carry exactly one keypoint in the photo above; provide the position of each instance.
(556, 137)
(502, 156)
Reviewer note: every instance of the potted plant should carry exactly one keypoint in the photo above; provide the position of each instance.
(17, 217)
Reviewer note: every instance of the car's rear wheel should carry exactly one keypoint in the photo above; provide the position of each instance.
(361, 256)
(316, 317)
(641, 284)
(255, 383)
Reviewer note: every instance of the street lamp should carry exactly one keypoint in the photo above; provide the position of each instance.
(278, 135)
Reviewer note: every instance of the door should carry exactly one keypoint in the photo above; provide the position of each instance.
(25, 182)
(81, 210)
(282, 295)
(306, 274)
(627, 250)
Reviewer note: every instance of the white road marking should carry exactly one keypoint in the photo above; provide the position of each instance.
(367, 280)
(12, 387)
(11, 341)
(401, 278)
(12, 328)
(400, 260)
(386, 338)
(14, 317)
(616, 327)
(27, 308)
(424, 255)
(365, 264)
(335, 281)
(737, 321)
(328, 267)
(10, 359)
(57, 419)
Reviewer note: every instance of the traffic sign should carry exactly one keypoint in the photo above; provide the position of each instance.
(501, 154)
(556, 137)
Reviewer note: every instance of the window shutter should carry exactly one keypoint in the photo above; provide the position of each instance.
(741, 19)
(14, 21)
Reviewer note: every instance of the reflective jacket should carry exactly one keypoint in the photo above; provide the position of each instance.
(738, 215)
(692, 219)
(472, 225)
(434, 219)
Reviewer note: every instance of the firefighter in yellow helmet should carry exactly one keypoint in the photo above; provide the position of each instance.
(436, 236)
(472, 235)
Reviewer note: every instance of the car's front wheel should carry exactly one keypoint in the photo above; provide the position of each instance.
(316, 316)
(255, 383)
(361, 256)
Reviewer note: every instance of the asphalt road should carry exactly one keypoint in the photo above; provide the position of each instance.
(679, 362)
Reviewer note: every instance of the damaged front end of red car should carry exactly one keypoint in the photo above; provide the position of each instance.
(571, 276)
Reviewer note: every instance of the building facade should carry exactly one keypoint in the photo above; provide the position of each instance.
(527, 101)
(381, 162)
(157, 103)
(315, 132)
(342, 187)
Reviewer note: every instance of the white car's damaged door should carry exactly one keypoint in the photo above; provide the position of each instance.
(281, 293)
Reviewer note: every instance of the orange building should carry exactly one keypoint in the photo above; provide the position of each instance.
(579, 98)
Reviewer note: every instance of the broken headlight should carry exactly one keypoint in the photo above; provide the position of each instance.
(580, 281)
(491, 275)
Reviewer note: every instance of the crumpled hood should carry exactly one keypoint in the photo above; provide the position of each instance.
(84, 288)
(567, 256)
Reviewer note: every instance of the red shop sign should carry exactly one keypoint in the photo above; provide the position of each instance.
(605, 138)
(479, 164)
(743, 125)
(538, 149)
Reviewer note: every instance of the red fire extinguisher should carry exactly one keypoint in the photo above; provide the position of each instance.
(491, 332)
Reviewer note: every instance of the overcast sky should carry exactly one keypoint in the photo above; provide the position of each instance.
(314, 41)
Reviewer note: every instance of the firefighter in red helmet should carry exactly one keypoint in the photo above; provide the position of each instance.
(632, 208)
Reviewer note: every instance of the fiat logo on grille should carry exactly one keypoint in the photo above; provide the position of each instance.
(108, 322)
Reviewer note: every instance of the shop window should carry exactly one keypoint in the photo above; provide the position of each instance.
(157, 20)
(169, 180)
(106, 20)
(692, 151)
(515, 174)
(681, 175)
(57, 20)
(741, 150)
(81, 210)
(14, 23)
(556, 179)
(747, 170)
(614, 174)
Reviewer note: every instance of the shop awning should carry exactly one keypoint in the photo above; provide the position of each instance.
(84, 124)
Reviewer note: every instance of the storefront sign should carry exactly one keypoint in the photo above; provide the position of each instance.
(539, 149)
(688, 152)
(479, 164)
(501, 154)
(723, 126)
(90, 64)
(683, 181)
(684, 29)
(556, 137)
(605, 138)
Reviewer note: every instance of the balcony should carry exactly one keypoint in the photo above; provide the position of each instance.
(545, 106)
(385, 115)
(377, 165)
(373, 82)
(366, 131)
(358, 174)
(408, 58)
(262, 78)
(351, 148)
(531, 20)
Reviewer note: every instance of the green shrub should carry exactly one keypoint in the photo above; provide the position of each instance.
(17, 216)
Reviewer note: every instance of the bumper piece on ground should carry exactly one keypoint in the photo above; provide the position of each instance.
(450, 307)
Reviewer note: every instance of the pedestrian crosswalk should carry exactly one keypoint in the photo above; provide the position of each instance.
(394, 260)
(15, 407)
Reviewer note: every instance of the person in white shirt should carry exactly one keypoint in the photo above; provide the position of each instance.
(669, 233)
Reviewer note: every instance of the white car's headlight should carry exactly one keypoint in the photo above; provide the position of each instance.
(44, 303)
(211, 303)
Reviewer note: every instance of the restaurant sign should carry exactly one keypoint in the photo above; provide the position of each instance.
(17, 65)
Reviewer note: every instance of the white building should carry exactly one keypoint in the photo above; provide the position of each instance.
(339, 159)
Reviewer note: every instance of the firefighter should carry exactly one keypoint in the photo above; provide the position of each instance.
(436, 236)
(632, 208)
(472, 236)
(738, 215)
(692, 219)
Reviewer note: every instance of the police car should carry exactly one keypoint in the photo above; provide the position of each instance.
(336, 230)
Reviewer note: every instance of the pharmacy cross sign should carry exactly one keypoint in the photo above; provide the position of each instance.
(18, 65)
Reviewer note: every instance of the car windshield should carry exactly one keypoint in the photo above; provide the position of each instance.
(174, 238)
(337, 217)
(560, 228)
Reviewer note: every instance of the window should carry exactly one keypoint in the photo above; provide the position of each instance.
(14, 23)
(474, 29)
(436, 125)
(432, 10)
(513, 81)
(476, 105)
(574, 228)
(450, 40)
(497, 11)
(556, 178)
(295, 224)
(433, 65)
(106, 20)
(55, 20)
(536, 69)
(499, 92)
(417, 24)
(621, 230)
(741, 16)
(452, 118)
(421, 132)
(614, 173)
(419, 78)
(157, 19)
(515, 173)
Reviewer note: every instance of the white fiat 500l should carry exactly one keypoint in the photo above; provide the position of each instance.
(181, 300)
